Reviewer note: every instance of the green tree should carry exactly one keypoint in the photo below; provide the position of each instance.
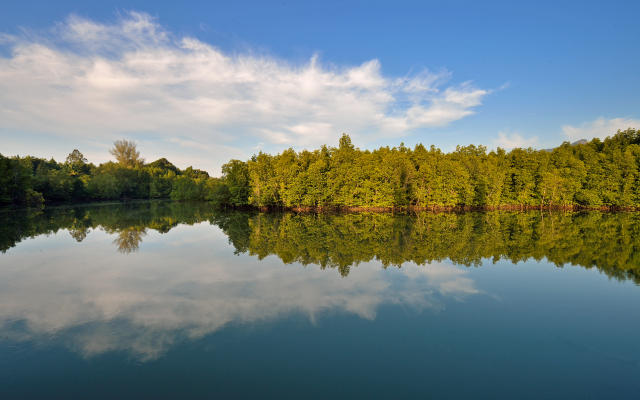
(126, 153)
(104, 186)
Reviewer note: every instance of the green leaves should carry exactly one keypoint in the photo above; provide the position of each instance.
(593, 174)
(104, 186)
(598, 173)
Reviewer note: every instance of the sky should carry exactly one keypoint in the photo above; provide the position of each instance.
(203, 82)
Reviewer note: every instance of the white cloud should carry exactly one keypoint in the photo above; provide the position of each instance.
(106, 81)
(600, 128)
(514, 140)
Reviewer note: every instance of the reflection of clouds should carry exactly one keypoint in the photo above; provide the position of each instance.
(444, 278)
(93, 300)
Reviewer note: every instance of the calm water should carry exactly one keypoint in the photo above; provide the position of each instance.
(164, 300)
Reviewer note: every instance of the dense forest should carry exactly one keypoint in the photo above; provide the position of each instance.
(31, 180)
(599, 173)
(595, 174)
(607, 241)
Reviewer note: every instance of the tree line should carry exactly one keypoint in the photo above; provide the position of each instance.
(593, 174)
(606, 241)
(599, 173)
(32, 180)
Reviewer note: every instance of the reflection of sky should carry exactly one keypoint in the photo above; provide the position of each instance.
(185, 284)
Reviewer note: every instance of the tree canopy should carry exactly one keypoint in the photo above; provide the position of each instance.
(595, 174)
(76, 157)
(586, 174)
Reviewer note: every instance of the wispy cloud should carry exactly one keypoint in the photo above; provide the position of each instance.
(510, 141)
(89, 79)
(600, 128)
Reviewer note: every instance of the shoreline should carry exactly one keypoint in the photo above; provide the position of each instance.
(339, 209)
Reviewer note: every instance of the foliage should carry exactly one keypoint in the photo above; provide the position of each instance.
(126, 154)
(609, 242)
(187, 189)
(595, 174)
(30, 180)
(104, 186)
(76, 157)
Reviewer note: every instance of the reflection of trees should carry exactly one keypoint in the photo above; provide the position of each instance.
(80, 228)
(607, 241)
(17, 224)
(79, 234)
(128, 240)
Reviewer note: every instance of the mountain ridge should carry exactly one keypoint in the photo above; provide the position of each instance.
(581, 141)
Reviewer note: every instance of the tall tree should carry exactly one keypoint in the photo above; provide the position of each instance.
(126, 153)
(76, 157)
(76, 164)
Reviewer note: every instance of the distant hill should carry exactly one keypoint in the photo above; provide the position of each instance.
(581, 141)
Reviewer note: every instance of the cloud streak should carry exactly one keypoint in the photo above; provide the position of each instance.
(514, 140)
(133, 77)
(600, 128)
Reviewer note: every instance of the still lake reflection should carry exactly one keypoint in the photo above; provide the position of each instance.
(167, 300)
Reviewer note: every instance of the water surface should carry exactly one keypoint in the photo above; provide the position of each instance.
(167, 300)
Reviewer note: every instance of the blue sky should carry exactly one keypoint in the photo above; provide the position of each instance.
(203, 82)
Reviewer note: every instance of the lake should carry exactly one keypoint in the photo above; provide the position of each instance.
(172, 300)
